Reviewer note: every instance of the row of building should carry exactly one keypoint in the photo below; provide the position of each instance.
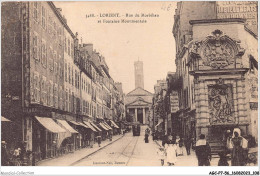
(215, 86)
(57, 92)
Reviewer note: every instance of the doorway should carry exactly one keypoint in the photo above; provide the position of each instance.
(140, 115)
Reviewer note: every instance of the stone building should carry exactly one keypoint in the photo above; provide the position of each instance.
(50, 84)
(216, 61)
(138, 102)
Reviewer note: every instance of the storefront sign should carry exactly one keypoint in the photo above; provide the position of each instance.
(174, 102)
(239, 9)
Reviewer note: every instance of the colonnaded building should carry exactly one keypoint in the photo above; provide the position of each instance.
(138, 102)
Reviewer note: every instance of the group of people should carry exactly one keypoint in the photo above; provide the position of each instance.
(172, 148)
(236, 146)
(14, 159)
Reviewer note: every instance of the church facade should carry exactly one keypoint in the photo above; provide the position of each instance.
(138, 102)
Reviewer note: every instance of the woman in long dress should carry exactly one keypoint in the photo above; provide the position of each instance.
(237, 151)
(171, 151)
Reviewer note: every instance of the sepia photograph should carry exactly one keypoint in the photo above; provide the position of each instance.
(129, 83)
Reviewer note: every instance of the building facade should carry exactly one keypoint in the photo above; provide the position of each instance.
(214, 58)
(51, 86)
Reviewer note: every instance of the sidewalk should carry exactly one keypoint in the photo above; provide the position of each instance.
(71, 158)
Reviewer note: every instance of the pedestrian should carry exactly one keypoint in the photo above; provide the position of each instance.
(203, 151)
(223, 159)
(180, 146)
(187, 143)
(171, 151)
(99, 140)
(161, 154)
(146, 138)
(4, 154)
(237, 153)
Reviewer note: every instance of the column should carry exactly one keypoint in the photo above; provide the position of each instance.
(136, 114)
(143, 115)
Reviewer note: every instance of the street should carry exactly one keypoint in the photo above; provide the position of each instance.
(128, 151)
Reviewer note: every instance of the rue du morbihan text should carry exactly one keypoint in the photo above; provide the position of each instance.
(123, 18)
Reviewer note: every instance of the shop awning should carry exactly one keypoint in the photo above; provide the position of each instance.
(94, 125)
(3, 119)
(90, 126)
(67, 126)
(158, 124)
(114, 124)
(83, 125)
(105, 123)
(103, 126)
(75, 123)
(50, 125)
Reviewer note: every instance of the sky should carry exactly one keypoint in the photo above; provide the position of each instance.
(122, 44)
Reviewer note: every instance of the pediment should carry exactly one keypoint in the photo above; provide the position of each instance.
(139, 102)
(139, 91)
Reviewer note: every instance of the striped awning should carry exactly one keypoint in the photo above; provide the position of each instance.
(67, 126)
(94, 125)
(50, 125)
(90, 126)
(103, 126)
(105, 123)
(114, 124)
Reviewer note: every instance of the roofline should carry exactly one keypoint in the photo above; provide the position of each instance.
(137, 100)
(61, 18)
(140, 88)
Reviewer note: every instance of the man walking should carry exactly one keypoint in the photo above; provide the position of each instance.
(203, 151)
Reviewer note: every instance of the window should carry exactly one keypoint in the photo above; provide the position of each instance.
(72, 76)
(66, 76)
(65, 45)
(36, 47)
(44, 51)
(43, 17)
(51, 55)
(69, 75)
(72, 48)
(66, 100)
(56, 95)
(69, 47)
(59, 36)
(35, 11)
(54, 30)
(51, 93)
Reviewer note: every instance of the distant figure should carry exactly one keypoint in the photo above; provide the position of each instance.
(161, 154)
(146, 138)
(203, 151)
(171, 151)
(180, 146)
(147, 131)
(187, 143)
(4, 154)
(223, 159)
(99, 140)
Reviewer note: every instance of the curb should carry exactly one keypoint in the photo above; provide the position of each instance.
(95, 151)
(158, 143)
